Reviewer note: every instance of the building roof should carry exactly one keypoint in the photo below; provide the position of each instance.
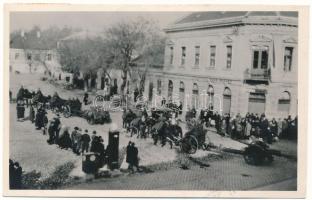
(30, 41)
(218, 18)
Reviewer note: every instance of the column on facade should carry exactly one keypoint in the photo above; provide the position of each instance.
(188, 84)
(239, 98)
(294, 102)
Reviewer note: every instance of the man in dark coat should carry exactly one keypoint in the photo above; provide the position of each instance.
(85, 140)
(20, 94)
(135, 156)
(135, 94)
(86, 98)
(57, 127)
(20, 109)
(128, 155)
(64, 140)
(18, 176)
(11, 174)
(51, 132)
(98, 147)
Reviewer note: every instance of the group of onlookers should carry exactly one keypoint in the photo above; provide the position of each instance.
(251, 124)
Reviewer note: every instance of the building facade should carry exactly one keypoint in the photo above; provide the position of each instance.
(232, 62)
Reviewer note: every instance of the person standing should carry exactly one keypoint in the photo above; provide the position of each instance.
(57, 127)
(85, 140)
(20, 109)
(97, 146)
(32, 114)
(135, 156)
(51, 132)
(73, 138)
(129, 156)
(279, 127)
(86, 98)
(135, 94)
(10, 95)
(93, 135)
(78, 142)
(11, 174)
(274, 127)
(18, 175)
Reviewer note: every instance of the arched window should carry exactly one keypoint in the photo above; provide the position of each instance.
(159, 87)
(170, 89)
(210, 93)
(150, 91)
(195, 95)
(284, 103)
(227, 100)
(181, 92)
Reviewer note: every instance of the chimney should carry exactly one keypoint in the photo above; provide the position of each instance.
(38, 34)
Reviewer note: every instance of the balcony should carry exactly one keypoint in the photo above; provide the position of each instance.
(257, 76)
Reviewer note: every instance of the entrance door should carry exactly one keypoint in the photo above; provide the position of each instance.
(226, 101)
(256, 103)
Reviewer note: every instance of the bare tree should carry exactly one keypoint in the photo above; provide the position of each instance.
(127, 40)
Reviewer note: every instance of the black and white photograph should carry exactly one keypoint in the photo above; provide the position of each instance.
(180, 100)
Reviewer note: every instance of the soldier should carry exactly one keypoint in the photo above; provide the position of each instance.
(56, 128)
(20, 109)
(93, 135)
(85, 140)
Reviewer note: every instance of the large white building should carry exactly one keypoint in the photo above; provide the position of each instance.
(233, 62)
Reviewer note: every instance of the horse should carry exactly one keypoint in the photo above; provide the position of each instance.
(127, 117)
(39, 98)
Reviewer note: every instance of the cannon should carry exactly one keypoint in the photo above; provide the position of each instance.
(258, 153)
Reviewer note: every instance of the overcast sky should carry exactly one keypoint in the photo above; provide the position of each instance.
(93, 21)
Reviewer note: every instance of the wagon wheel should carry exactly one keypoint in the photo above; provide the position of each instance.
(99, 100)
(66, 111)
(189, 144)
(250, 157)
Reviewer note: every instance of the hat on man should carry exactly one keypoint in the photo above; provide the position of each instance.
(94, 132)
(86, 131)
(76, 128)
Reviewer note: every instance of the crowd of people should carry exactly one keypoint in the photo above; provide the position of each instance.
(242, 127)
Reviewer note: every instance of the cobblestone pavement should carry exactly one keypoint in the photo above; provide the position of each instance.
(229, 174)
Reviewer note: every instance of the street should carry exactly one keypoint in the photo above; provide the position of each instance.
(29, 147)
(228, 174)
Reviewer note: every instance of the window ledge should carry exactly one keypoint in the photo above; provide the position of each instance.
(210, 68)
